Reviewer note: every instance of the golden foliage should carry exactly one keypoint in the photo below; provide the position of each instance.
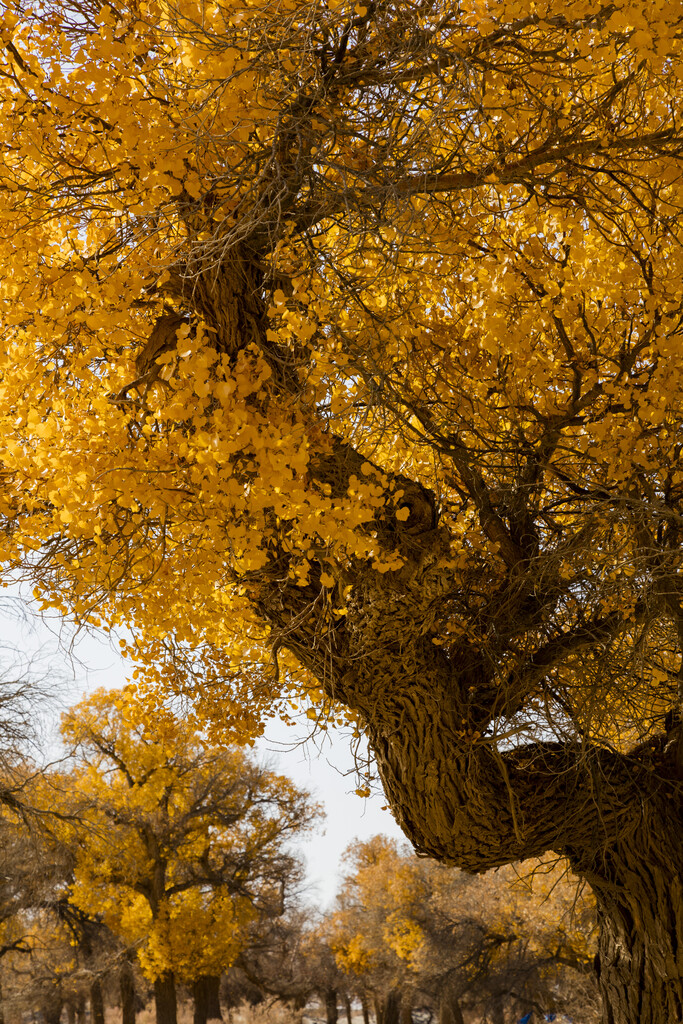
(408, 924)
(178, 847)
(446, 233)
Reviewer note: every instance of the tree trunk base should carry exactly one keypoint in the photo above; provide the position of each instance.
(638, 887)
(206, 996)
(165, 1000)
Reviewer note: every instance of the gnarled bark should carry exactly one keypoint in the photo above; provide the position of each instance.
(432, 716)
(639, 891)
(461, 798)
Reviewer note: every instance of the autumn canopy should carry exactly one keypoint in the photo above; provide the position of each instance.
(341, 364)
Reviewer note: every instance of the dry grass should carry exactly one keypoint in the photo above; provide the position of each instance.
(112, 1014)
(266, 1013)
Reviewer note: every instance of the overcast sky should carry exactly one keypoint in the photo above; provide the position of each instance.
(323, 765)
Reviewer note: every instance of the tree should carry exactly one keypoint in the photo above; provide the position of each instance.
(341, 359)
(71, 953)
(63, 961)
(509, 942)
(419, 934)
(377, 927)
(52, 955)
(327, 981)
(287, 958)
(179, 846)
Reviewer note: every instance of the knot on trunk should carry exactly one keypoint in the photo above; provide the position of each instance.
(421, 506)
(164, 338)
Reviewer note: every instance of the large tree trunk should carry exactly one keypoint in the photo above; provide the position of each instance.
(466, 802)
(206, 997)
(431, 713)
(475, 806)
(638, 886)
(165, 1000)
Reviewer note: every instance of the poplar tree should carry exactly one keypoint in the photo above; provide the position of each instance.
(180, 848)
(341, 365)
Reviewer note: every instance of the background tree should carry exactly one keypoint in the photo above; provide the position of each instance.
(68, 954)
(288, 958)
(346, 336)
(61, 965)
(377, 928)
(511, 941)
(419, 934)
(45, 979)
(328, 980)
(182, 846)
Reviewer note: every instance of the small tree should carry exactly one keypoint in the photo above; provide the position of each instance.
(375, 930)
(183, 845)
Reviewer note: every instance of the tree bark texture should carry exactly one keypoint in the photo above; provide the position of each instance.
(638, 886)
(431, 715)
(127, 993)
(165, 1000)
(206, 998)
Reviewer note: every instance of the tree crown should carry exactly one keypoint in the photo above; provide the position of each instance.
(362, 321)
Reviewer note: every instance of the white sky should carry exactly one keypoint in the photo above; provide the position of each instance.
(323, 766)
